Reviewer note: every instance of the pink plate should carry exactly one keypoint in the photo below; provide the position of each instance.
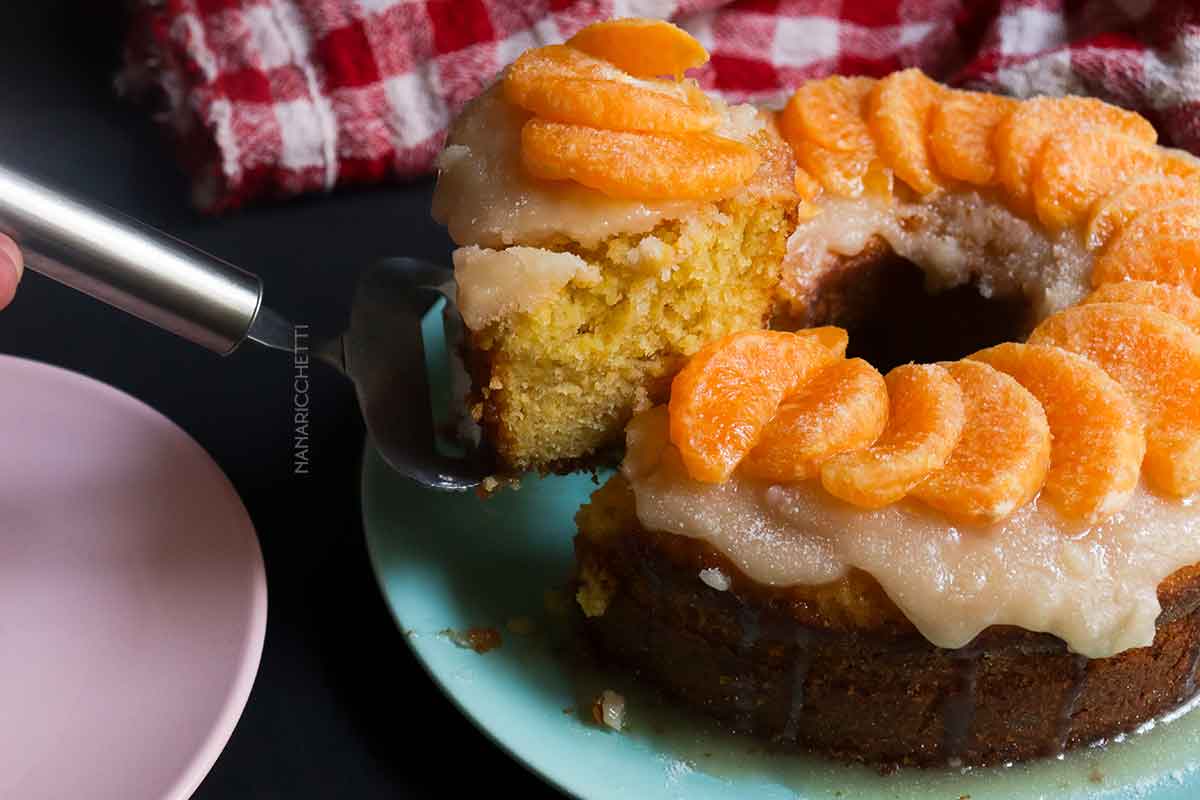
(132, 595)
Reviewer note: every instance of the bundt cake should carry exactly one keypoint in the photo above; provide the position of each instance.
(987, 551)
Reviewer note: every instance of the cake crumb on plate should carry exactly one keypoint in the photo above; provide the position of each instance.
(715, 578)
(481, 640)
(609, 710)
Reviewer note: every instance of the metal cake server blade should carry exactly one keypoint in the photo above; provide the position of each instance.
(382, 351)
(210, 302)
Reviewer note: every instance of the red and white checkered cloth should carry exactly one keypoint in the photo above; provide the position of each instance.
(281, 97)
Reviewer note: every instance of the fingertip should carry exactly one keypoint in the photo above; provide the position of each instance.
(8, 283)
(13, 253)
(11, 265)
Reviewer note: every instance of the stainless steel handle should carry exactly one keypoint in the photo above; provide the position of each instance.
(129, 265)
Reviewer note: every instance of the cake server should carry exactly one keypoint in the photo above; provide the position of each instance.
(210, 302)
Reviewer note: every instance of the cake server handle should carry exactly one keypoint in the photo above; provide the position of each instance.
(129, 265)
(171, 284)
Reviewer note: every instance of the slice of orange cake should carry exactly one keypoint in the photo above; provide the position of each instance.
(611, 219)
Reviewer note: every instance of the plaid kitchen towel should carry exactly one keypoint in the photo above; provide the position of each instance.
(272, 98)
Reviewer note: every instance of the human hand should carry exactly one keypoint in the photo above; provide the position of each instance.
(11, 265)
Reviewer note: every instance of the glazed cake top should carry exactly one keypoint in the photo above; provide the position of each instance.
(1092, 585)
(486, 198)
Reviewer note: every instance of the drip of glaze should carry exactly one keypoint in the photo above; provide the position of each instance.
(958, 704)
(799, 679)
(1070, 700)
(751, 624)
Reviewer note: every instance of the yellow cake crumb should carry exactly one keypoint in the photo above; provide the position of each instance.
(560, 380)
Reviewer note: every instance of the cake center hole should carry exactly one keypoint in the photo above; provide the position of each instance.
(893, 318)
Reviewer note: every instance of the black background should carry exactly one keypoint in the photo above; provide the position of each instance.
(340, 708)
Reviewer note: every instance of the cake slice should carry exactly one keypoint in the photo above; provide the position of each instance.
(582, 302)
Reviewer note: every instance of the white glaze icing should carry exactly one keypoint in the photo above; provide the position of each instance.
(1095, 588)
(495, 283)
(484, 197)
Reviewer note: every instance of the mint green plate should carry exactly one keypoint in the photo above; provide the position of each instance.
(455, 562)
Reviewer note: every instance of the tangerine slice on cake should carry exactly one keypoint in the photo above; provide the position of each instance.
(644, 48)
(960, 134)
(925, 419)
(805, 184)
(637, 166)
(1178, 301)
(1156, 358)
(1098, 439)
(836, 339)
(1162, 244)
(730, 389)
(1018, 139)
(562, 84)
(1001, 458)
(1114, 212)
(899, 111)
(843, 408)
(1079, 167)
(840, 172)
(830, 113)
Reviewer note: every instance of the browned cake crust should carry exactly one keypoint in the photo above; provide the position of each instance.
(838, 669)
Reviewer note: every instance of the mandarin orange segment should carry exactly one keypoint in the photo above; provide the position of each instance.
(806, 185)
(647, 48)
(806, 211)
(960, 134)
(1162, 244)
(1180, 164)
(1001, 458)
(730, 389)
(1098, 439)
(899, 108)
(1018, 139)
(830, 113)
(839, 172)
(843, 408)
(879, 181)
(925, 419)
(807, 188)
(1178, 301)
(1156, 358)
(1079, 167)
(1118, 209)
(836, 339)
(563, 84)
(637, 166)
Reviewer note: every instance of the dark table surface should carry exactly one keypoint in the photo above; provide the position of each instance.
(340, 708)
